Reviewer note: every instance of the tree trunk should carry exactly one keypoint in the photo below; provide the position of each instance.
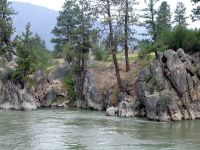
(126, 37)
(113, 50)
(156, 54)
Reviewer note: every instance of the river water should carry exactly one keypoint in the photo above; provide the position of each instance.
(88, 130)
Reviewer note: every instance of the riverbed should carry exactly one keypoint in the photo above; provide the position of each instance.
(90, 130)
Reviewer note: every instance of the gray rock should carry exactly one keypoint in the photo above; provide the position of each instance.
(91, 94)
(39, 76)
(168, 88)
(14, 98)
(111, 111)
(48, 88)
(126, 109)
(59, 72)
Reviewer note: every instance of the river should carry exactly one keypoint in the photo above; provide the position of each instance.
(89, 130)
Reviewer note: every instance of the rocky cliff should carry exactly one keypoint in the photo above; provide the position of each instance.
(169, 89)
(91, 98)
(48, 86)
(14, 98)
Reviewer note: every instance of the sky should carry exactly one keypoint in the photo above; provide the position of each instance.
(57, 5)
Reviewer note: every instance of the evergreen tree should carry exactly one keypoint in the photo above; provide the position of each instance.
(41, 53)
(106, 7)
(6, 27)
(25, 56)
(66, 22)
(196, 11)
(163, 20)
(128, 19)
(150, 18)
(72, 35)
(180, 15)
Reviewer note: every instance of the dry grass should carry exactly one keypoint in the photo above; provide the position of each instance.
(104, 74)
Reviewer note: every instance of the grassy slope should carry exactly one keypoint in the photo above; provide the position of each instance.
(104, 73)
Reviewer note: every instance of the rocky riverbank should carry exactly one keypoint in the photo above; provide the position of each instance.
(169, 89)
(166, 90)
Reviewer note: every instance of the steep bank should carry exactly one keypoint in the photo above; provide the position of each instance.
(12, 97)
(100, 85)
(48, 85)
(169, 89)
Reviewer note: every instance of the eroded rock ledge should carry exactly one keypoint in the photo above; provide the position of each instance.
(12, 97)
(169, 89)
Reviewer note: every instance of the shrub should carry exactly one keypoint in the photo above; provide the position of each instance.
(181, 37)
(69, 84)
(101, 54)
(148, 47)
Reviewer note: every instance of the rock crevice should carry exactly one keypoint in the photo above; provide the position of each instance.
(169, 89)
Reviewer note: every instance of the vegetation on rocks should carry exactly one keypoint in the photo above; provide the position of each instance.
(93, 65)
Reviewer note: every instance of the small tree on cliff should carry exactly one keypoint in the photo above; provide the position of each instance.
(72, 35)
(25, 56)
(6, 26)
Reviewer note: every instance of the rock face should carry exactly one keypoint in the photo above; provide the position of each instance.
(48, 87)
(111, 111)
(14, 98)
(126, 107)
(169, 89)
(92, 98)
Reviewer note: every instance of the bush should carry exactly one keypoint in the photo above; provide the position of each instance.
(69, 84)
(43, 58)
(101, 54)
(148, 47)
(181, 37)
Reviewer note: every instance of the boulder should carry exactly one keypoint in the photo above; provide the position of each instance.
(126, 109)
(168, 89)
(126, 106)
(111, 111)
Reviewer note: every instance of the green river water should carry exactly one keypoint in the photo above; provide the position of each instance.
(89, 130)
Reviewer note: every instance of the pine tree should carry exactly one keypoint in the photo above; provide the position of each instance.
(41, 53)
(128, 19)
(163, 20)
(72, 36)
(66, 22)
(180, 17)
(196, 11)
(150, 18)
(25, 56)
(105, 7)
(6, 26)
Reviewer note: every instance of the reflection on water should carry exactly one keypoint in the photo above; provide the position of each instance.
(62, 130)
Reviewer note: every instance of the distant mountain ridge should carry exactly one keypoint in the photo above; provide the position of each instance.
(42, 20)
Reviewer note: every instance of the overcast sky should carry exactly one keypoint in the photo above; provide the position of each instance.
(57, 5)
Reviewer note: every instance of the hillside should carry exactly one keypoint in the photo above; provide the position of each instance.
(42, 20)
